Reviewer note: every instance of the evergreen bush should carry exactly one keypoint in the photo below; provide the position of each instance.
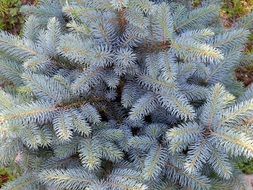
(125, 95)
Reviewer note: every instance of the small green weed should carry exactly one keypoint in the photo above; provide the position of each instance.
(246, 167)
(7, 174)
(237, 8)
(10, 16)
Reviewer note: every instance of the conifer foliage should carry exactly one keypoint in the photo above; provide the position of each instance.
(124, 95)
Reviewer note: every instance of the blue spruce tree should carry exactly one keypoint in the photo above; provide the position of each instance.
(125, 95)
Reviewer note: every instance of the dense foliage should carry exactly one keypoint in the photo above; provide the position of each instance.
(125, 95)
